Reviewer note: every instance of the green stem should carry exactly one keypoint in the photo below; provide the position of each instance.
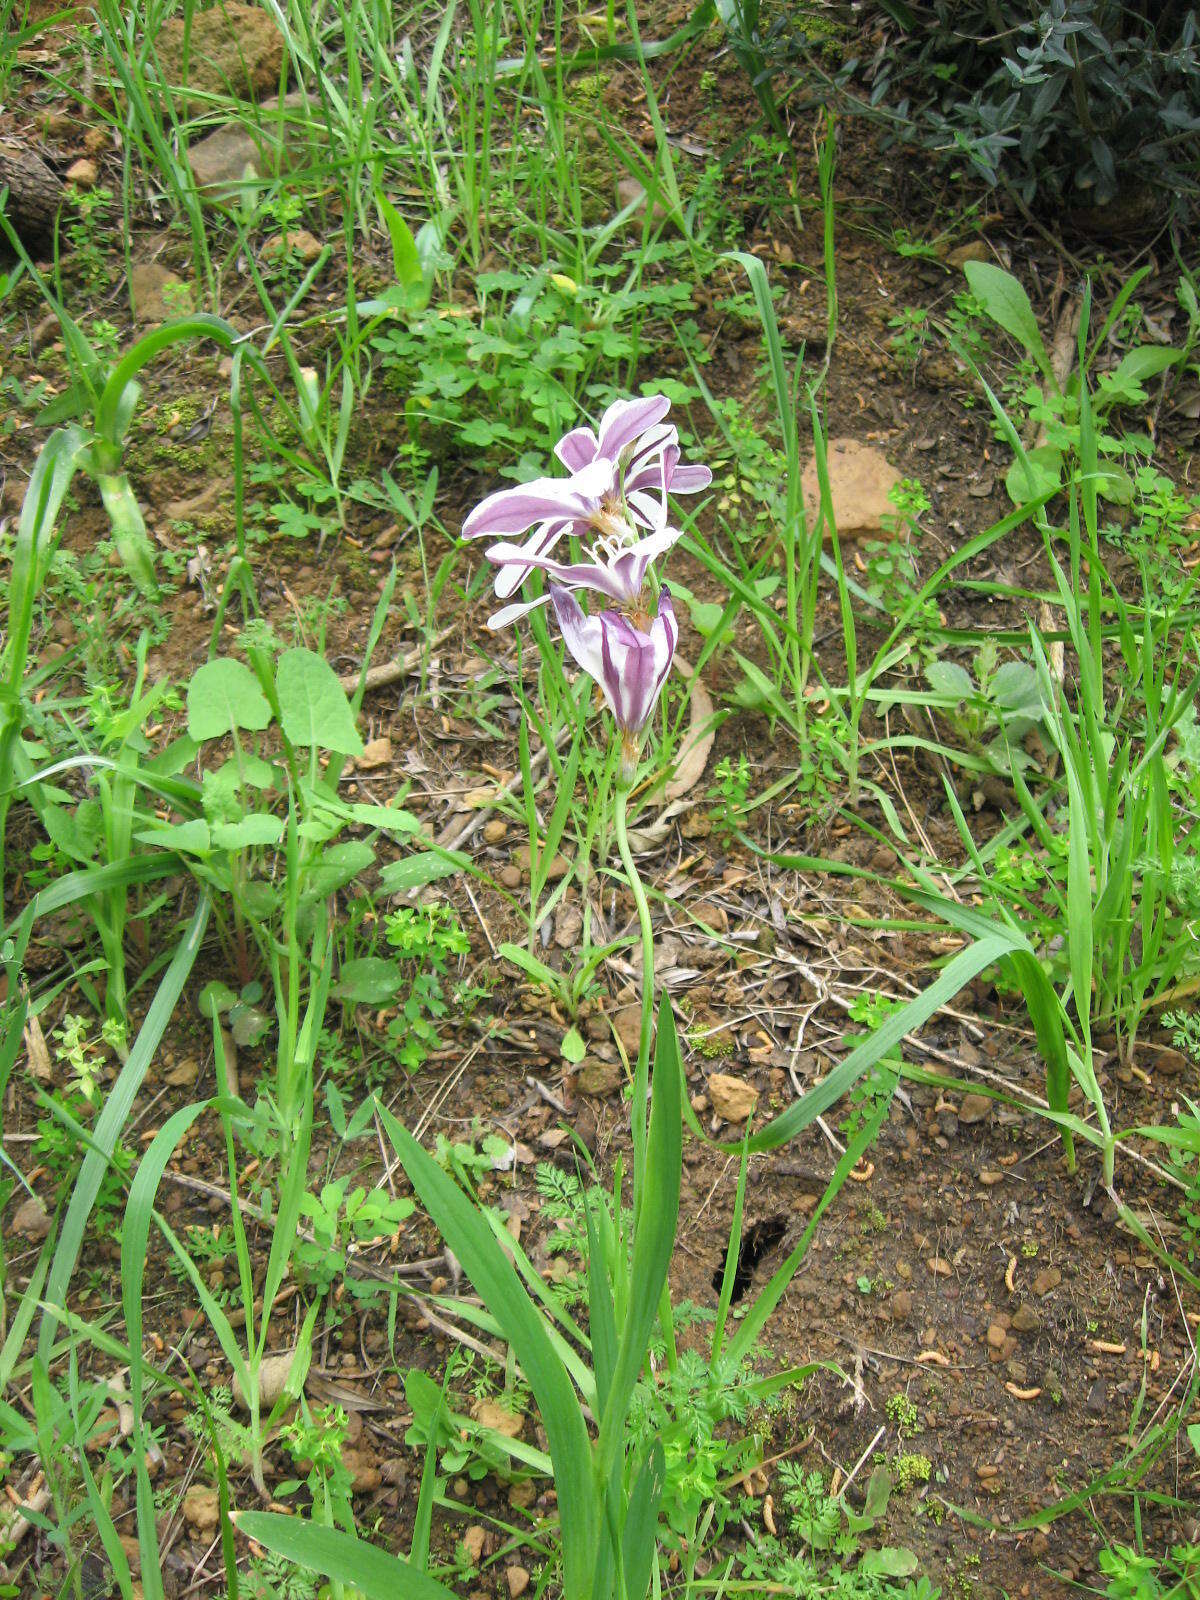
(641, 1076)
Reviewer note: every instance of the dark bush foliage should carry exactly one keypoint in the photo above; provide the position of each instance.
(1079, 101)
(1073, 99)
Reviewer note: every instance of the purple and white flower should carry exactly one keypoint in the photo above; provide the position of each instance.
(628, 662)
(616, 567)
(620, 477)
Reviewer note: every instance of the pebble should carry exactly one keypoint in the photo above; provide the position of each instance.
(495, 831)
(1048, 1278)
(997, 1335)
(1025, 1319)
(84, 173)
(1097, 1398)
(510, 877)
(902, 1304)
(517, 1580)
(974, 1108)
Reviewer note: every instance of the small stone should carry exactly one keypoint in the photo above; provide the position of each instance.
(1048, 1278)
(973, 250)
(363, 1469)
(490, 1415)
(558, 868)
(974, 1108)
(297, 242)
(1097, 1398)
(157, 295)
(376, 753)
(31, 1220)
(1170, 1063)
(989, 1179)
(902, 1304)
(997, 1336)
(517, 1580)
(495, 831)
(1025, 1319)
(860, 481)
(731, 1098)
(599, 1078)
(201, 1507)
(473, 1542)
(183, 1074)
(627, 1022)
(84, 173)
(273, 1375)
(939, 1267)
(510, 877)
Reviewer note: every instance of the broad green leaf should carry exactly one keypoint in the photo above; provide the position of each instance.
(341, 1557)
(406, 261)
(224, 695)
(413, 872)
(192, 838)
(1135, 366)
(1044, 476)
(654, 1234)
(113, 1117)
(258, 828)
(339, 864)
(1006, 302)
(948, 678)
(529, 965)
(366, 980)
(314, 709)
(495, 1279)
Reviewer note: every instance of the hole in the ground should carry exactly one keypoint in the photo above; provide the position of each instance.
(759, 1238)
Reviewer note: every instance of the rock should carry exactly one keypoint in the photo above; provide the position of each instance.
(233, 50)
(376, 753)
(473, 1542)
(627, 1024)
(973, 250)
(902, 1303)
(1097, 1398)
(201, 1507)
(731, 1098)
(84, 173)
(362, 1467)
(31, 1220)
(183, 1074)
(860, 478)
(296, 242)
(997, 1335)
(490, 1415)
(1025, 1319)
(974, 1108)
(1048, 1278)
(517, 1580)
(599, 1078)
(268, 148)
(510, 877)
(558, 867)
(495, 831)
(158, 294)
(273, 1375)
(631, 193)
(1170, 1063)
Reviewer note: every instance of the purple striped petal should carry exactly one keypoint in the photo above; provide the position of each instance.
(572, 499)
(630, 665)
(577, 448)
(626, 419)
